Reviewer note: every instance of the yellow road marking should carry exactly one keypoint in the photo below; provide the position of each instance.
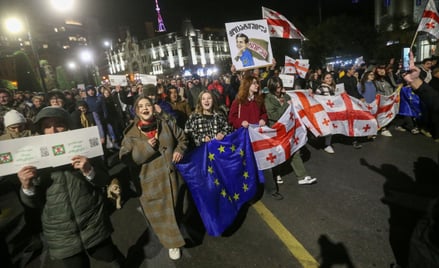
(293, 245)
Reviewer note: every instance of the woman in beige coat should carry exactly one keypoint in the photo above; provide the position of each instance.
(153, 144)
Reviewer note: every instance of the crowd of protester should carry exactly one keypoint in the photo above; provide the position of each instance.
(151, 127)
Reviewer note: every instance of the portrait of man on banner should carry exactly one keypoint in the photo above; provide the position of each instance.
(249, 44)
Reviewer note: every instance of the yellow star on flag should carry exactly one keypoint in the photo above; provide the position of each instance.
(210, 169)
(211, 156)
(221, 149)
(245, 175)
(233, 148)
(245, 187)
(223, 192)
(241, 153)
(236, 196)
(216, 182)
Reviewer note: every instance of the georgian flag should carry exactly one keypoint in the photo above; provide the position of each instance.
(311, 112)
(289, 65)
(292, 66)
(430, 20)
(302, 67)
(273, 146)
(348, 116)
(384, 108)
(279, 26)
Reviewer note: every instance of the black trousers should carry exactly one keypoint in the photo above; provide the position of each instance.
(105, 251)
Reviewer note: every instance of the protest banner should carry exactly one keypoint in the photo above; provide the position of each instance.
(146, 79)
(120, 80)
(249, 44)
(48, 150)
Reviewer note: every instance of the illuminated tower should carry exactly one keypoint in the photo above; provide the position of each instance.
(161, 24)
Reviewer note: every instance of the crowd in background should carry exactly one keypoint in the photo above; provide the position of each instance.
(111, 105)
(196, 110)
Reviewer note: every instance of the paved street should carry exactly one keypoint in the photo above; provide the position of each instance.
(362, 196)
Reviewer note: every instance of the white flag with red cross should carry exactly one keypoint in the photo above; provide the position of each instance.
(384, 108)
(348, 116)
(280, 26)
(311, 112)
(430, 20)
(275, 145)
(289, 65)
(300, 67)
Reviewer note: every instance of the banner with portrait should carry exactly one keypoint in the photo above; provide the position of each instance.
(249, 43)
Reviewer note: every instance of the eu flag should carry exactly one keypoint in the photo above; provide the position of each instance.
(222, 176)
(410, 104)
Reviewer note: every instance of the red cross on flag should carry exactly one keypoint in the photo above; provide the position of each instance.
(279, 26)
(302, 67)
(292, 66)
(430, 20)
(384, 108)
(348, 116)
(289, 65)
(273, 146)
(312, 113)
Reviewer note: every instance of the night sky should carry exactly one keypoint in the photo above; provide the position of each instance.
(134, 13)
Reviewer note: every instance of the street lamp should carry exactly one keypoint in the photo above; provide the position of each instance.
(62, 5)
(14, 25)
(108, 44)
(71, 65)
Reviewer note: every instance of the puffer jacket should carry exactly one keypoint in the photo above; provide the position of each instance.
(73, 217)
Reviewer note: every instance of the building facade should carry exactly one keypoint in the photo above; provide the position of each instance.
(403, 15)
(172, 54)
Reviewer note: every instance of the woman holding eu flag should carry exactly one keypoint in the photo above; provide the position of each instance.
(249, 108)
(206, 122)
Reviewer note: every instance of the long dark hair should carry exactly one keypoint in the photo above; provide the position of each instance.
(273, 83)
(364, 80)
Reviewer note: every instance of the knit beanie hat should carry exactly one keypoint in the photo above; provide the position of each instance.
(13, 117)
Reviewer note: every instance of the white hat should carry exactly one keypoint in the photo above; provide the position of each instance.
(13, 117)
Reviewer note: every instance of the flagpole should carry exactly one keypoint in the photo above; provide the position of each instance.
(414, 39)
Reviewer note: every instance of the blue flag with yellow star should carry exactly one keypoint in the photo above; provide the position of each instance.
(221, 176)
(409, 104)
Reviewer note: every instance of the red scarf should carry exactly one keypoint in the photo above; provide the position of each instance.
(150, 134)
